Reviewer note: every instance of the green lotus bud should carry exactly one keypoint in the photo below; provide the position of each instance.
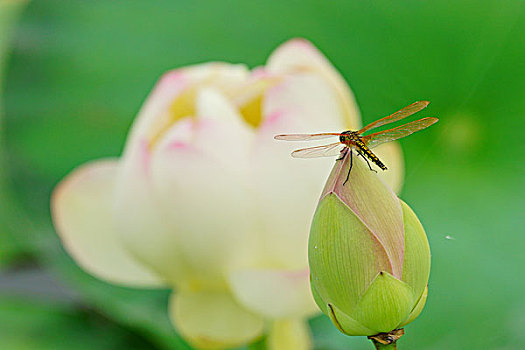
(368, 253)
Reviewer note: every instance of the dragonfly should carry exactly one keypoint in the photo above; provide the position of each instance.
(362, 144)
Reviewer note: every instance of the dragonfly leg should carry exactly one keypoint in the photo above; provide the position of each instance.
(350, 169)
(367, 162)
(343, 154)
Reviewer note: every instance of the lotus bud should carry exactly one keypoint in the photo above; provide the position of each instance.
(368, 253)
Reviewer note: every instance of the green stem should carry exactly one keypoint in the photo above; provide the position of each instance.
(379, 346)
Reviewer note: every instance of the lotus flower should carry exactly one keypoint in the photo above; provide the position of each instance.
(369, 255)
(204, 200)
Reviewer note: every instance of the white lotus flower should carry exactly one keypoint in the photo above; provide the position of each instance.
(204, 200)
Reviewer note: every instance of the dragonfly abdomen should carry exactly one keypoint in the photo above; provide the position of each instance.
(370, 155)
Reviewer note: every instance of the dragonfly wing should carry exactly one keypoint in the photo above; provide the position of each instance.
(378, 138)
(319, 151)
(305, 137)
(403, 113)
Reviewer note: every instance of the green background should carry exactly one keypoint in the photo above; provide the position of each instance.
(78, 72)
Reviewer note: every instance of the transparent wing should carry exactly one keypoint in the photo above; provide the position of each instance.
(378, 138)
(306, 137)
(320, 151)
(403, 113)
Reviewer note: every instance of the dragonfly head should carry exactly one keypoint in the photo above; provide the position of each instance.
(347, 136)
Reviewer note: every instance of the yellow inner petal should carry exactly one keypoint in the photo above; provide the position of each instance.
(250, 99)
(182, 106)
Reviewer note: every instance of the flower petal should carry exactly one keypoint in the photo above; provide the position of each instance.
(206, 203)
(139, 212)
(386, 303)
(342, 265)
(213, 320)
(299, 55)
(308, 100)
(416, 264)
(274, 293)
(289, 334)
(287, 188)
(222, 131)
(347, 324)
(142, 227)
(373, 202)
(81, 207)
(173, 97)
(317, 297)
(417, 309)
